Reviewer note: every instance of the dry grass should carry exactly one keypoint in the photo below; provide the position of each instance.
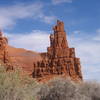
(14, 87)
(67, 90)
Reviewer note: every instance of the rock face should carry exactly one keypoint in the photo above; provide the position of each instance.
(4, 57)
(3, 48)
(23, 58)
(59, 59)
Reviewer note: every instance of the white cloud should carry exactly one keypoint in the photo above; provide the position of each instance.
(55, 2)
(36, 40)
(76, 32)
(97, 37)
(87, 48)
(9, 15)
(49, 19)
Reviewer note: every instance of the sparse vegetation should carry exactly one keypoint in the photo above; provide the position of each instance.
(15, 87)
(67, 90)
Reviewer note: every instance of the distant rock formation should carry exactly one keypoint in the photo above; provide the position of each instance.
(3, 48)
(59, 59)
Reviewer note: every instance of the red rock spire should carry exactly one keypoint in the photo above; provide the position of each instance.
(59, 27)
(59, 58)
(1, 33)
(58, 42)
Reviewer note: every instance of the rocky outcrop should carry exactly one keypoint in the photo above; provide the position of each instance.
(4, 58)
(3, 48)
(59, 59)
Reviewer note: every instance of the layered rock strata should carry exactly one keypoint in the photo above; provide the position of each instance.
(59, 58)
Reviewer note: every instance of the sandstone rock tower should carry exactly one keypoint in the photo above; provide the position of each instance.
(3, 48)
(59, 59)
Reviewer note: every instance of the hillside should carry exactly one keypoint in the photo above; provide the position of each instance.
(23, 58)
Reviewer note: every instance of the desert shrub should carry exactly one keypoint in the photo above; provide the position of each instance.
(61, 89)
(58, 89)
(91, 90)
(15, 87)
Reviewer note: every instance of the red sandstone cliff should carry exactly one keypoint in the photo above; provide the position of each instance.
(23, 58)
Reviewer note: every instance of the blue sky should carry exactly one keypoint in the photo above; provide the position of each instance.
(28, 23)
